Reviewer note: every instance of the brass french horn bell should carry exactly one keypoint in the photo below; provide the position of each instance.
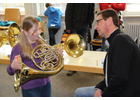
(10, 35)
(74, 45)
(48, 59)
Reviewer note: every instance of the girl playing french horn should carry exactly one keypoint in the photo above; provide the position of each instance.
(27, 41)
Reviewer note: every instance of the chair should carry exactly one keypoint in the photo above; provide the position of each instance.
(13, 14)
(42, 29)
(96, 42)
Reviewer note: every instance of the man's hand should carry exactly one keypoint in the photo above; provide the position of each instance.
(97, 93)
(60, 51)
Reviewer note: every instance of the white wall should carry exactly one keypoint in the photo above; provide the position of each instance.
(130, 20)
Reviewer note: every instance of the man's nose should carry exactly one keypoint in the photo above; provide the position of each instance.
(95, 27)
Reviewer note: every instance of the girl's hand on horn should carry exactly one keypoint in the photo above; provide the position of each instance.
(60, 51)
(16, 64)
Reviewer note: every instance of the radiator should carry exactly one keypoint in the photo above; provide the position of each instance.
(134, 30)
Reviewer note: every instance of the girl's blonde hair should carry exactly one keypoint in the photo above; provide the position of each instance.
(27, 48)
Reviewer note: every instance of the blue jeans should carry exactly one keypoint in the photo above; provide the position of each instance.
(43, 91)
(85, 91)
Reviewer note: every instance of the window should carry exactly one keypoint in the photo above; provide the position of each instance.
(12, 5)
(61, 6)
(132, 9)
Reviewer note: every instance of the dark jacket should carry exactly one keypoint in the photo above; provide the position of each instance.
(74, 15)
(123, 70)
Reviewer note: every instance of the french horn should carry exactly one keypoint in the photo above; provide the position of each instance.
(48, 59)
(10, 35)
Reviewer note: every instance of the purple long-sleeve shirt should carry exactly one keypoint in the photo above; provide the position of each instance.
(32, 83)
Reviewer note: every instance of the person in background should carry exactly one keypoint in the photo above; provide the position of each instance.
(122, 61)
(27, 41)
(118, 7)
(78, 17)
(54, 21)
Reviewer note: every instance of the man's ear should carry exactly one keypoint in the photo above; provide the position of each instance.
(110, 21)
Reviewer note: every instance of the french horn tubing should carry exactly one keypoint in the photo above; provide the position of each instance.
(50, 60)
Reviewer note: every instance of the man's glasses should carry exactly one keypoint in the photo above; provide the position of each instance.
(97, 21)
